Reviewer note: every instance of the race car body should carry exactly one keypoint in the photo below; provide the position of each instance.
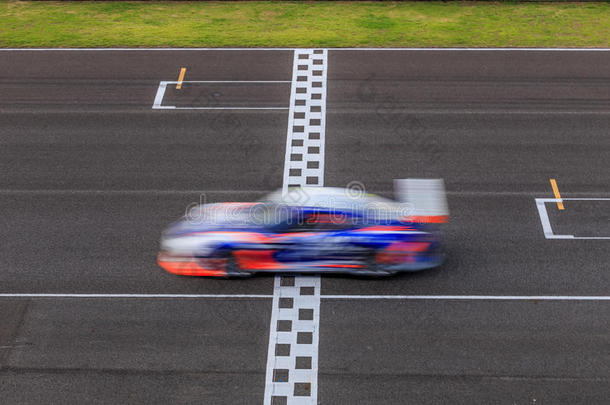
(328, 230)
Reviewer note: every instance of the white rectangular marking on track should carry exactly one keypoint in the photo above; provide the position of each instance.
(292, 358)
(546, 223)
(158, 103)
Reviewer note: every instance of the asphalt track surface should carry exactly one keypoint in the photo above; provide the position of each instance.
(90, 174)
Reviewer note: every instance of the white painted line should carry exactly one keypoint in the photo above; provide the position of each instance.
(472, 297)
(477, 49)
(292, 49)
(327, 297)
(271, 358)
(576, 199)
(121, 192)
(503, 112)
(159, 96)
(172, 192)
(231, 296)
(231, 81)
(292, 355)
(225, 108)
(546, 223)
(592, 237)
(145, 49)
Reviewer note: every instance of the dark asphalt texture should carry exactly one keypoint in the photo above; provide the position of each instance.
(90, 174)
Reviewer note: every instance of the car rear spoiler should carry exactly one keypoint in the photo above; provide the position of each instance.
(425, 200)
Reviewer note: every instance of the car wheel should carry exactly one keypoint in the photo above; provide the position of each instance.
(232, 267)
(373, 268)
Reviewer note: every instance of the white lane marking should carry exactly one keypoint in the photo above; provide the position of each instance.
(487, 194)
(292, 356)
(230, 81)
(271, 354)
(472, 297)
(477, 49)
(158, 102)
(134, 192)
(159, 96)
(504, 112)
(324, 297)
(292, 49)
(575, 199)
(171, 107)
(34, 295)
(546, 223)
(145, 49)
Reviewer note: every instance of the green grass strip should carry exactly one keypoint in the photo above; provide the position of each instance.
(303, 24)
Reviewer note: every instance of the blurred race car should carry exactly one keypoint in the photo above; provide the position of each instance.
(309, 229)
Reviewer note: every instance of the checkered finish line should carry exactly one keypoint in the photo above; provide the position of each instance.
(292, 357)
(304, 162)
(292, 374)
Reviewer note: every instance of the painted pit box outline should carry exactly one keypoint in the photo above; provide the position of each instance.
(546, 223)
(158, 103)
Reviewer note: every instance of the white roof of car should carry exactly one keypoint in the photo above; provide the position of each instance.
(330, 197)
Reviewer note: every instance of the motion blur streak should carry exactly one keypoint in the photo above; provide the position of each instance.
(186, 267)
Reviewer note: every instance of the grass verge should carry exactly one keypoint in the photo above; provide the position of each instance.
(303, 24)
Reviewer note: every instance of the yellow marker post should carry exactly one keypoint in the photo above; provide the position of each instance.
(181, 78)
(557, 195)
